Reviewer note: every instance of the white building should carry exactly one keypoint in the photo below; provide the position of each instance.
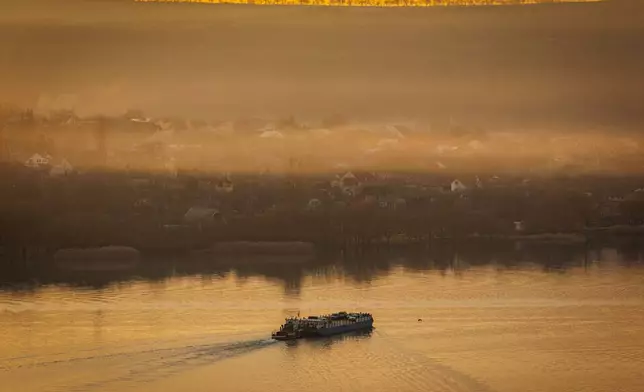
(457, 186)
(37, 161)
(225, 186)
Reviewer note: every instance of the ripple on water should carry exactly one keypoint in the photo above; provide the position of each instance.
(184, 334)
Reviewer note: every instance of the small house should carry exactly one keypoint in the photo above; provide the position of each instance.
(349, 180)
(457, 186)
(225, 186)
(519, 226)
(37, 161)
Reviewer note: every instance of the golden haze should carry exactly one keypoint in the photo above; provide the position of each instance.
(374, 3)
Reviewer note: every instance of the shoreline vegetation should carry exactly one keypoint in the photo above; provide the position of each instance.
(291, 215)
(285, 252)
(361, 265)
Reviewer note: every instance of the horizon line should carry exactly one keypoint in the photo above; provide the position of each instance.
(375, 3)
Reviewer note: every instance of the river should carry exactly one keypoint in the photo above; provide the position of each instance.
(462, 327)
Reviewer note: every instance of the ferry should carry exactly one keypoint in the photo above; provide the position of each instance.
(325, 325)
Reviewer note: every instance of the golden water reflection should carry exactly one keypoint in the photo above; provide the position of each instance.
(484, 328)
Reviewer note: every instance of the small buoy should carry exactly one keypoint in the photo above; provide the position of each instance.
(420, 319)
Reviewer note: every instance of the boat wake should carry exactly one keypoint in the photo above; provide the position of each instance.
(392, 365)
(418, 372)
(140, 366)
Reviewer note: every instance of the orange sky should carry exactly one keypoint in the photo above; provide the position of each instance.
(547, 65)
(379, 3)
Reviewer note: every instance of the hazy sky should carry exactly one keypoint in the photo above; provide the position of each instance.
(554, 64)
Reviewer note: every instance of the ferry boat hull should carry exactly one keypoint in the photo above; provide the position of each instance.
(328, 325)
(359, 326)
(288, 336)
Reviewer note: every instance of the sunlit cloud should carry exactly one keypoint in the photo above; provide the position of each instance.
(376, 3)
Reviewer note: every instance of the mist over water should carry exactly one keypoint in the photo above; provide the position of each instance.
(562, 66)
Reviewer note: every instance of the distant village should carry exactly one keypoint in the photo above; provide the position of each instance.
(165, 185)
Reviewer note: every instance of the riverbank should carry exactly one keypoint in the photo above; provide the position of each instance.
(364, 262)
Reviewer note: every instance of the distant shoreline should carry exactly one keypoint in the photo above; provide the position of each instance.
(375, 4)
(297, 251)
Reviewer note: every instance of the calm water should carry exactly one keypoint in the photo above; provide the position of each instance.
(485, 327)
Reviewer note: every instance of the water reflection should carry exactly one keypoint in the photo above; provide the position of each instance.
(364, 268)
(534, 313)
(99, 320)
(327, 342)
